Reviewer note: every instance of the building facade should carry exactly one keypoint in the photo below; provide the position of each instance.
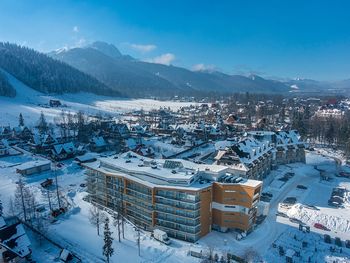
(180, 197)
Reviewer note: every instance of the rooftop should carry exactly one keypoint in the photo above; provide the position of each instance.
(163, 172)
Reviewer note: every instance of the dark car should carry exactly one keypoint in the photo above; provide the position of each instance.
(327, 239)
(267, 194)
(281, 214)
(347, 243)
(290, 200)
(338, 242)
(300, 186)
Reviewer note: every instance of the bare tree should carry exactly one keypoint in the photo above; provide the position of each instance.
(250, 255)
(96, 217)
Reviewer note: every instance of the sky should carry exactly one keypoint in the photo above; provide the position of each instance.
(271, 38)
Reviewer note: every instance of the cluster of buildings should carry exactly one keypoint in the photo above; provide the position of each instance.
(188, 199)
(187, 172)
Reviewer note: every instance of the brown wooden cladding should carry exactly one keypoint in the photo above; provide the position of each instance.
(205, 211)
(231, 219)
(234, 194)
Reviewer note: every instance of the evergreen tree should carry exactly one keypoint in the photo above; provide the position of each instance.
(42, 124)
(21, 120)
(108, 250)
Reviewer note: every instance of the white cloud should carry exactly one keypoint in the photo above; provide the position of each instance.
(75, 29)
(143, 48)
(203, 67)
(164, 59)
(80, 42)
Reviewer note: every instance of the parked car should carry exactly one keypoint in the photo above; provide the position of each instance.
(281, 214)
(344, 174)
(327, 239)
(320, 226)
(267, 194)
(300, 186)
(161, 236)
(347, 243)
(338, 242)
(290, 200)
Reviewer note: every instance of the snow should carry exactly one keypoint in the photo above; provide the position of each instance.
(31, 103)
(33, 164)
(74, 232)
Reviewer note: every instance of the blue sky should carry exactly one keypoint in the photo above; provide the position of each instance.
(273, 38)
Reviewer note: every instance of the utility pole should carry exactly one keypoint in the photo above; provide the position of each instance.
(48, 196)
(58, 196)
(20, 183)
(138, 240)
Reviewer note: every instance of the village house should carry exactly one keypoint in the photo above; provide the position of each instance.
(42, 143)
(98, 144)
(4, 148)
(63, 151)
(14, 243)
(5, 132)
(22, 133)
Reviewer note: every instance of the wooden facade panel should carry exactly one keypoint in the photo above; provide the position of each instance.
(205, 211)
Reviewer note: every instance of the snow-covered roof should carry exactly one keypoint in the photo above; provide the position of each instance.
(67, 147)
(2, 222)
(99, 141)
(33, 164)
(15, 239)
(162, 172)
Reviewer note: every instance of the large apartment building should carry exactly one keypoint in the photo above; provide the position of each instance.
(256, 154)
(183, 198)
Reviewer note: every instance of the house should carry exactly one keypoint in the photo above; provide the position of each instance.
(4, 148)
(22, 132)
(63, 151)
(98, 144)
(33, 167)
(120, 130)
(86, 158)
(42, 143)
(5, 132)
(55, 103)
(14, 243)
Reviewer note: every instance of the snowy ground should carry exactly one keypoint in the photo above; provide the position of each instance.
(75, 232)
(28, 100)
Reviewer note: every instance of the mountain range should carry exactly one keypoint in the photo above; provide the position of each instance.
(138, 78)
(102, 69)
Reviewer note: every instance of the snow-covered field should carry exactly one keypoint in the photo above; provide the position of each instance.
(28, 100)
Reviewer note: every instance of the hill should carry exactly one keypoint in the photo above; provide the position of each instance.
(46, 74)
(6, 89)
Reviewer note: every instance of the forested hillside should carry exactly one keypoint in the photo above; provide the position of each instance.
(6, 88)
(45, 74)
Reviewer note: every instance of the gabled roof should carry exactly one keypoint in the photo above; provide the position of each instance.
(15, 239)
(65, 147)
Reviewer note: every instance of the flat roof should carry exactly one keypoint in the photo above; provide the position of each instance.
(163, 172)
(33, 164)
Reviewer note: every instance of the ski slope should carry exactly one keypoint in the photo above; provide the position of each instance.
(31, 103)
